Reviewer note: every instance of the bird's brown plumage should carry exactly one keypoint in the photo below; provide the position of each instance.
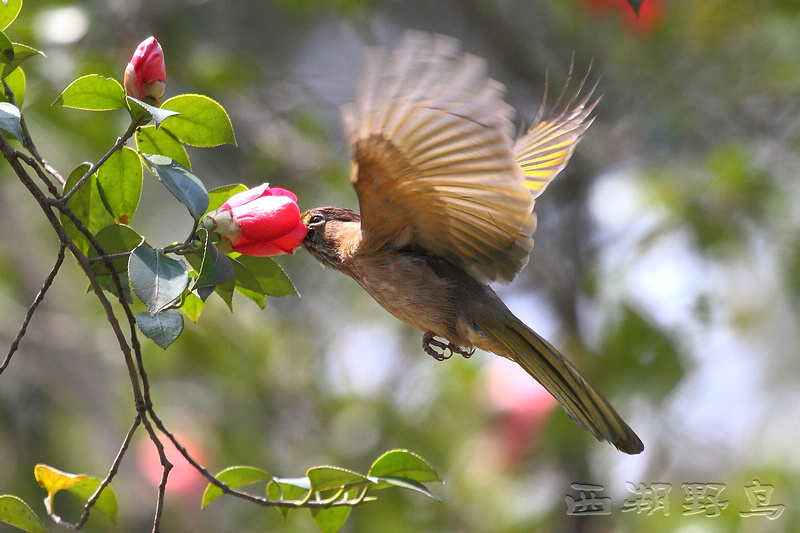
(446, 199)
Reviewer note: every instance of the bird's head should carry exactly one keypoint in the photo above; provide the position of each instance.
(332, 231)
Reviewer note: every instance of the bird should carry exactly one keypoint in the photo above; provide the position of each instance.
(446, 196)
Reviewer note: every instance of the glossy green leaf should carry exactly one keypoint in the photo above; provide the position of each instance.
(324, 478)
(8, 12)
(293, 489)
(403, 483)
(162, 328)
(215, 267)
(403, 464)
(115, 239)
(234, 477)
(119, 183)
(270, 275)
(6, 49)
(53, 480)
(87, 205)
(192, 306)
(184, 185)
(152, 140)
(22, 53)
(94, 93)
(330, 520)
(158, 280)
(16, 82)
(219, 195)
(10, 120)
(202, 121)
(17, 513)
(106, 503)
(142, 112)
(244, 278)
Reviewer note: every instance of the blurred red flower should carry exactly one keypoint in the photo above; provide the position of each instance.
(650, 13)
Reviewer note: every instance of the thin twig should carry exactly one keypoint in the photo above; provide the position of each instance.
(107, 481)
(32, 309)
(27, 143)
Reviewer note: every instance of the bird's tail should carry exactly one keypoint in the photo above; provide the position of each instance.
(560, 377)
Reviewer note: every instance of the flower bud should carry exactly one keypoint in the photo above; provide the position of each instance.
(261, 222)
(146, 75)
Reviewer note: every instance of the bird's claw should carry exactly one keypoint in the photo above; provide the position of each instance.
(429, 343)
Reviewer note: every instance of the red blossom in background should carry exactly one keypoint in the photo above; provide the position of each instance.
(146, 74)
(650, 13)
(523, 405)
(261, 222)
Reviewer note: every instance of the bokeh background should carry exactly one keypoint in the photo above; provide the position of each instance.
(666, 265)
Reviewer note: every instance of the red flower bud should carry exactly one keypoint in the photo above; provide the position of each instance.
(146, 75)
(262, 221)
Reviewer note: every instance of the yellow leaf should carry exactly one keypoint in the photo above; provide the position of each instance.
(53, 480)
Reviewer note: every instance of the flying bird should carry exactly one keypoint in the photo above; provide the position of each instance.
(446, 200)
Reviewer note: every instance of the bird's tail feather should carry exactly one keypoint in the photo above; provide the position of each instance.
(560, 377)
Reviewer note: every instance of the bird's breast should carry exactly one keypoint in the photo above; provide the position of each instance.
(426, 293)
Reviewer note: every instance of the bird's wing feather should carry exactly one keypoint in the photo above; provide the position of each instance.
(544, 150)
(433, 163)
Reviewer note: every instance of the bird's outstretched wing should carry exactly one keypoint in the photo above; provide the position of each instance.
(544, 150)
(433, 160)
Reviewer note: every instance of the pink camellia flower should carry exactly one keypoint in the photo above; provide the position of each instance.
(262, 221)
(146, 75)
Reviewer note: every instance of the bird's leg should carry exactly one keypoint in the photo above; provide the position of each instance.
(429, 342)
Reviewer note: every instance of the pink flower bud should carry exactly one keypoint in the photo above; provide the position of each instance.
(262, 221)
(146, 75)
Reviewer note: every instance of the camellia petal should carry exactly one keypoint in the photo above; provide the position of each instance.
(261, 221)
(247, 196)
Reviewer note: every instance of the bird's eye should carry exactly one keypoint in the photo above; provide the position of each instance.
(316, 219)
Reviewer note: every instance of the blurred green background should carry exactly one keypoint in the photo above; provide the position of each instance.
(667, 266)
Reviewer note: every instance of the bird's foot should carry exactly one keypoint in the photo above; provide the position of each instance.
(430, 343)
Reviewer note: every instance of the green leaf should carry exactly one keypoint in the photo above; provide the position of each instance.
(107, 501)
(119, 182)
(22, 53)
(16, 82)
(87, 205)
(234, 477)
(404, 483)
(636, 5)
(156, 279)
(332, 519)
(270, 275)
(17, 513)
(6, 49)
(219, 195)
(162, 328)
(289, 489)
(94, 93)
(115, 239)
(184, 185)
(142, 112)
(152, 140)
(215, 267)
(10, 120)
(324, 478)
(8, 12)
(202, 121)
(53, 480)
(244, 278)
(403, 464)
(192, 306)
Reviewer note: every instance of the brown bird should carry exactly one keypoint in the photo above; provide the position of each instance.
(446, 198)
